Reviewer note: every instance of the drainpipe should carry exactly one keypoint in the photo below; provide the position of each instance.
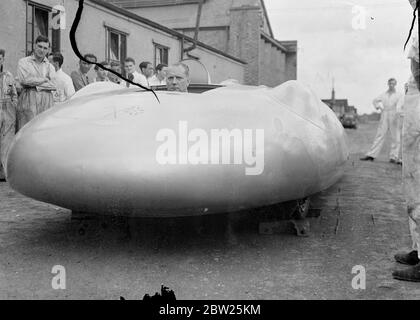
(197, 28)
(182, 47)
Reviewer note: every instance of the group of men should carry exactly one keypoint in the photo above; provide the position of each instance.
(175, 77)
(146, 77)
(41, 83)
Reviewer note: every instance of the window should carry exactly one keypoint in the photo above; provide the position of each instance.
(38, 22)
(116, 47)
(161, 54)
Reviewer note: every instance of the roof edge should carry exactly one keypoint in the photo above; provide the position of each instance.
(158, 26)
(267, 18)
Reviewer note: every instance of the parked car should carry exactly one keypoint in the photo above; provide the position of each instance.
(348, 120)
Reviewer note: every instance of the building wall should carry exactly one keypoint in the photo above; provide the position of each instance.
(272, 65)
(291, 66)
(265, 23)
(218, 39)
(244, 20)
(13, 34)
(91, 37)
(244, 41)
(139, 40)
(215, 66)
(214, 13)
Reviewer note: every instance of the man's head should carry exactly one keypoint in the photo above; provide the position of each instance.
(161, 71)
(49, 57)
(130, 65)
(116, 66)
(391, 84)
(177, 77)
(42, 46)
(56, 59)
(101, 73)
(84, 66)
(2, 54)
(146, 68)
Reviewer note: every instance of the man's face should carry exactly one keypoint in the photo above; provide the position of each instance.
(129, 67)
(176, 79)
(102, 74)
(41, 49)
(116, 69)
(161, 73)
(113, 77)
(85, 67)
(148, 71)
(392, 84)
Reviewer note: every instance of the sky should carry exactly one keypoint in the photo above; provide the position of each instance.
(358, 43)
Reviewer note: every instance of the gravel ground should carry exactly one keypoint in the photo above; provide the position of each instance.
(362, 222)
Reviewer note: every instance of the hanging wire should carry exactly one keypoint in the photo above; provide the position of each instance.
(73, 42)
(412, 23)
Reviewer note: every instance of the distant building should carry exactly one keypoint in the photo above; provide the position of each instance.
(108, 31)
(339, 106)
(240, 28)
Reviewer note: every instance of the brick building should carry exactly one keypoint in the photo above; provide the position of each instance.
(108, 31)
(237, 27)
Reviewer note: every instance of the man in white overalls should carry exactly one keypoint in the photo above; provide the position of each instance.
(411, 164)
(390, 103)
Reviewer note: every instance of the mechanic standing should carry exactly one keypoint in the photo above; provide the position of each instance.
(8, 101)
(411, 162)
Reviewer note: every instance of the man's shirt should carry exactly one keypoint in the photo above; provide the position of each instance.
(64, 85)
(79, 79)
(389, 101)
(7, 87)
(154, 81)
(106, 79)
(117, 80)
(31, 73)
(140, 79)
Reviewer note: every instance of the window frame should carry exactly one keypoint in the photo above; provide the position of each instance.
(53, 35)
(156, 47)
(122, 51)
